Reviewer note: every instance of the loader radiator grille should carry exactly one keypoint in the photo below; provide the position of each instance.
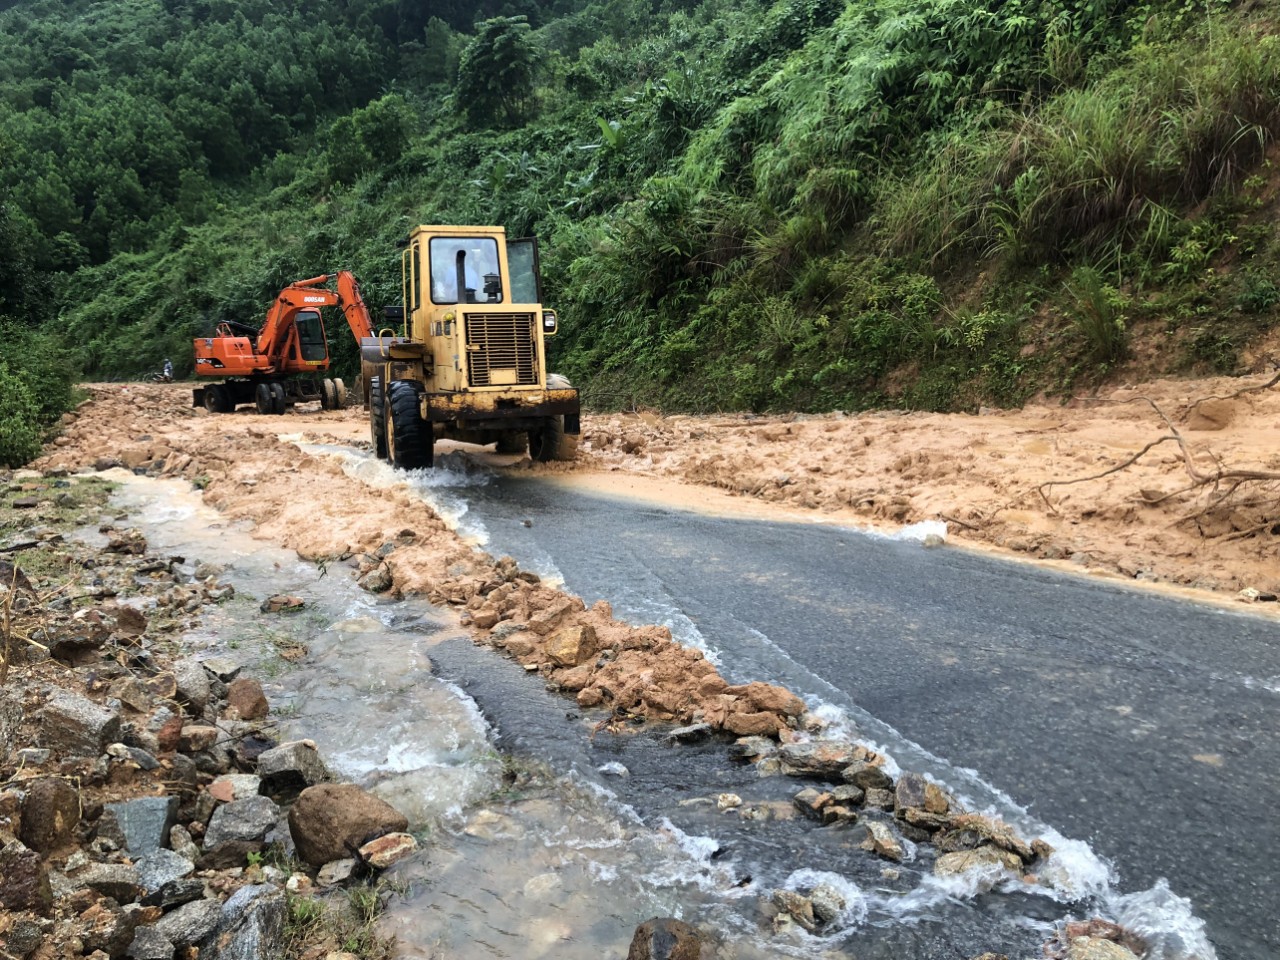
(502, 349)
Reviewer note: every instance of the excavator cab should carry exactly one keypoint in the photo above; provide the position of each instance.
(311, 341)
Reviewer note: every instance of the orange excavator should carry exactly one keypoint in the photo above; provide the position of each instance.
(278, 365)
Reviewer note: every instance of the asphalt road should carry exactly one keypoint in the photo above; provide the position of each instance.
(1144, 725)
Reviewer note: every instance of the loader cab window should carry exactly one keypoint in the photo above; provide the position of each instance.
(474, 260)
(522, 259)
(311, 336)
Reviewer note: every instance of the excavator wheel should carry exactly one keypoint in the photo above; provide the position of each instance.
(377, 418)
(409, 437)
(327, 395)
(217, 399)
(551, 442)
(339, 394)
(277, 398)
(262, 398)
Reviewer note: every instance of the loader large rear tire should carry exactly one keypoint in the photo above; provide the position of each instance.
(409, 438)
(377, 418)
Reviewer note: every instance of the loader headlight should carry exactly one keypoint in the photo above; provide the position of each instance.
(549, 323)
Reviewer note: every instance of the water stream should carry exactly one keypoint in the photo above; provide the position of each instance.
(546, 838)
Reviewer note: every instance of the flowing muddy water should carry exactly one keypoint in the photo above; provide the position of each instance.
(545, 837)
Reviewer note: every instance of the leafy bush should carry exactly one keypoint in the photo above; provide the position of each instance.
(19, 425)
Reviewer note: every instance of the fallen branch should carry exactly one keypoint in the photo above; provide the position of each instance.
(1231, 396)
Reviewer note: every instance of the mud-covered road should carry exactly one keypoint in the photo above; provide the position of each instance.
(1133, 721)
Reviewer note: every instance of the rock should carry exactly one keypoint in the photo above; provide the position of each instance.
(762, 724)
(119, 881)
(291, 767)
(163, 685)
(1095, 948)
(139, 826)
(104, 926)
(572, 646)
(250, 819)
(33, 756)
(23, 937)
(192, 685)
(751, 747)
(330, 821)
(50, 813)
(810, 802)
(822, 759)
(982, 858)
(161, 867)
(251, 926)
(224, 668)
(767, 698)
(229, 855)
(797, 906)
(24, 879)
(848, 794)
(150, 944)
(877, 798)
(695, 731)
(915, 792)
(881, 840)
(969, 830)
(282, 603)
(130, 622)
(176, 892)
(868, 776)
(132, 693)
(76, 725)
(377, 580)
(336, 871)
(386, 850)
(664, 938)
(245, 700)
(235, 786)
(191, 924)
(198, 737)
(828, 903)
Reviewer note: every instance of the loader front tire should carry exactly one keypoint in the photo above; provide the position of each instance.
(550, 442)
(409, 437)
(377, 418)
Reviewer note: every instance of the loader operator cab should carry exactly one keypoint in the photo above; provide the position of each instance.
(466, 263)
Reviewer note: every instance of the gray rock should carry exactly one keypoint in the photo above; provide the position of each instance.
(664, 938)
(181, 843)
(23, 938)
(242, 785)
(224, 668)
(150, 944)
(24, 879)
(33, 756)
(823, 759)
(827, 902)
(193, 684)
(191, 924)
(250, 819)
(139, 826)
(119, 881)
(291, 767)
(161, 867)
(336, 871)
(76, 725)
(175, 893)
(868, 776)
(376, 580)
(11, 716)
(695, 731)
(252, 924)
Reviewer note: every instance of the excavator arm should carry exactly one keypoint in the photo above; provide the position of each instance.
(353, 306)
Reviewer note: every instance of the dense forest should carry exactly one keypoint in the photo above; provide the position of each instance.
(743, 204)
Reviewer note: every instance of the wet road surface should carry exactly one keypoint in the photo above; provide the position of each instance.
(1144, 725)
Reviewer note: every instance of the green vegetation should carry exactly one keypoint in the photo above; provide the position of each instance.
(800, 204)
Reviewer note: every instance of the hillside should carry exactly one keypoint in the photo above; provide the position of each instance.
(807, 205)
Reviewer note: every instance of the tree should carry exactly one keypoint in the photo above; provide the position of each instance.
(496, 73)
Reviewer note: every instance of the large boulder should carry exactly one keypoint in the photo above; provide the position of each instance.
(664, 938)
(331, 821)
(76, 725)
(245, 700)
(191, 924)
(822, 759)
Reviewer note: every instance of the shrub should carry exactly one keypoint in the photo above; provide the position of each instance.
(19, 426)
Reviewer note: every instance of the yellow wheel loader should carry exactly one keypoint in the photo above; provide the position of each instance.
(469, 361)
